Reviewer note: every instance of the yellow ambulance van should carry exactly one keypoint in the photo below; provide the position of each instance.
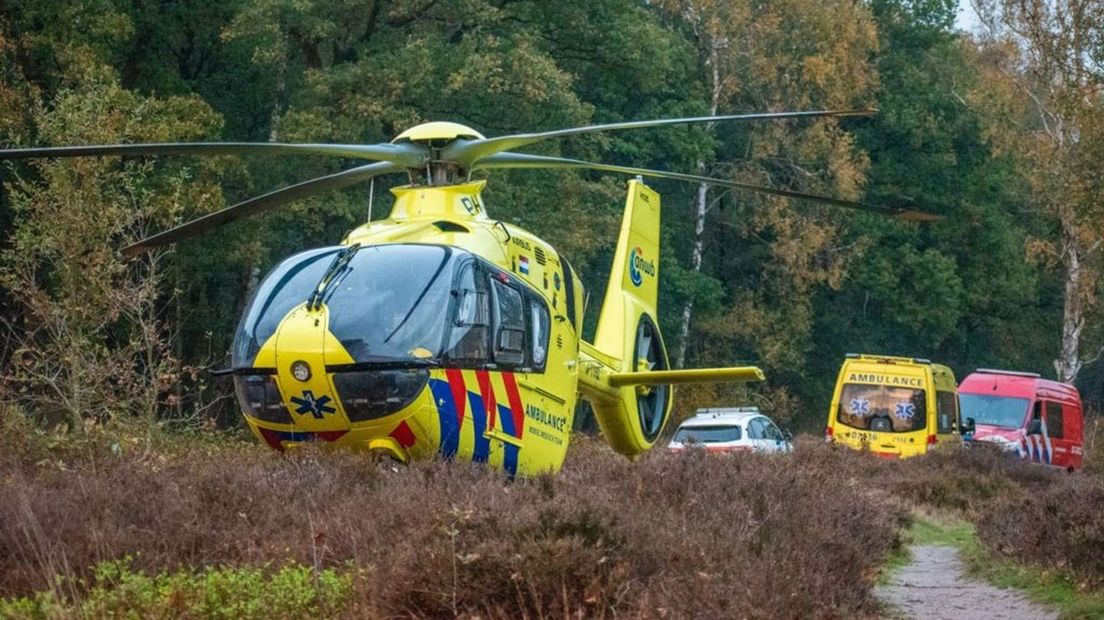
(895, 407)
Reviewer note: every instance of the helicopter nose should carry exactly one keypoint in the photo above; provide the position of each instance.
(373, 394)
(301, 372)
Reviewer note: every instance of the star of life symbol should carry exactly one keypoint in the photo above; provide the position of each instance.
(314, 406)
(905, 411)
(860, 406)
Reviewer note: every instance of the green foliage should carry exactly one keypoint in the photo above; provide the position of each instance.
(116, 591)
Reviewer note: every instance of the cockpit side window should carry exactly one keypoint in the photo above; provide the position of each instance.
(509, 329)
(471, 325)
(497, 322)
(539, 327)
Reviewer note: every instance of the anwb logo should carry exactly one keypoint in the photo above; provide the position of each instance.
(638, 266)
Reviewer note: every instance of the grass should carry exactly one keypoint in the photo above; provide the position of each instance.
(1056, 589)
(925, 528)
(933, 529)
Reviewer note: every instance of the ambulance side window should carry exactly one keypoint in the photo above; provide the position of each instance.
(946, 404)
(1055, 423)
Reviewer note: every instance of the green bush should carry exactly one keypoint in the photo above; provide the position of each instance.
(116, 591)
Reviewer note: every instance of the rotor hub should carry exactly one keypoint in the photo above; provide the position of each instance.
(438, 131)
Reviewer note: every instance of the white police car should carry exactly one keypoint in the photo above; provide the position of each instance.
(733, 429)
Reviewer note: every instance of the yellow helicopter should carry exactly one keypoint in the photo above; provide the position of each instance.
(442, 331)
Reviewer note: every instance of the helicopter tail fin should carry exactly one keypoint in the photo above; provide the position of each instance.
(634, 279)
(628, 340)
(624, 373)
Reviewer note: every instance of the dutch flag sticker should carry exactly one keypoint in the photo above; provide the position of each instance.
(523, 265)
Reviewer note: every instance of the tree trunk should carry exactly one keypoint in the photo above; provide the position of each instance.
(701, 205)
(695, 266)
(1069, 362)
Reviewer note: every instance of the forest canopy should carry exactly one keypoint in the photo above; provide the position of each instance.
(1000, 131)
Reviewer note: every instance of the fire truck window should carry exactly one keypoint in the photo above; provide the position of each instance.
(509, 340)
(1055, 423)
(947, 411)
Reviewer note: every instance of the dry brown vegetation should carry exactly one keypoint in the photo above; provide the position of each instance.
(691, 535)
(684, 536)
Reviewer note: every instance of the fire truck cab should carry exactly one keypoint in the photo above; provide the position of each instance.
(1020, 412)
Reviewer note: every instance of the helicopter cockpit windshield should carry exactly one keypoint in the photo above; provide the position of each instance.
(388, 304)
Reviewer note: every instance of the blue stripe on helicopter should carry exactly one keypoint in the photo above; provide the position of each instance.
(450, 426)
(446, 416)
(482, 448)
(510, 451)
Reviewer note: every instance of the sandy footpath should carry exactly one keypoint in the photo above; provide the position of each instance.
(934, 587)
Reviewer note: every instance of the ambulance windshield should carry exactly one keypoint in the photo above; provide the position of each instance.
(1003, 411)
(882, 408)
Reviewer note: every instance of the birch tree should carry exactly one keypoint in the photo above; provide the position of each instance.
(1044, 63)
(791, 54)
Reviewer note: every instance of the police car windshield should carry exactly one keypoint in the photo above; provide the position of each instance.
(389, 302)
(707, 434)
(1003, 411)
(882, 408)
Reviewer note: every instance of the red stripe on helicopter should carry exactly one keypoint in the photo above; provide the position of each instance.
(515, 402)
(459, 393)
(271, 438)
(276, 438)
(487, 392)
(403, 434)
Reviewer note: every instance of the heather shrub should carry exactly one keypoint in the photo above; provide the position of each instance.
(687, 535)
(967, 480)
(1058, 527)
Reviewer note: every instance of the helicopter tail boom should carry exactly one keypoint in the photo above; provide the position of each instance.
(691, 375)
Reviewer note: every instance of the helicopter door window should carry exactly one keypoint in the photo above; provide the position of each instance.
(468, 338)
(509, 341)
(539, 325)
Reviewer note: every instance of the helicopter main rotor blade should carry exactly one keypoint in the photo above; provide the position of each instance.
(467, 153)
(522, 160)
(280, 197)
(406, 155)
